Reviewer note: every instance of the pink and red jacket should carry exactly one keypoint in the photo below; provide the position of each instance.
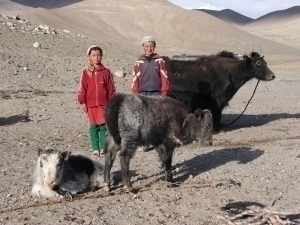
(96, 87)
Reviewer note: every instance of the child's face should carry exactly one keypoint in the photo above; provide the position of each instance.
(148, 47)
(95, 57)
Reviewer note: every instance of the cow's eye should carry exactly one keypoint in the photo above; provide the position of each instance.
(41, 164)
(205, 126)
(258, 63)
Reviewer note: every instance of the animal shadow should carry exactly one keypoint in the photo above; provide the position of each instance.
(236, 207)
(205, 162)
(253, 120)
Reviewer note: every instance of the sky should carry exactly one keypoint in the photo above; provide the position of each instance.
(249, 8)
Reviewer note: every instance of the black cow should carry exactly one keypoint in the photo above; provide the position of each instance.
(211, 81)
(162, 122)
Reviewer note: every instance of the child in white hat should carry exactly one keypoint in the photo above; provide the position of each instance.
(96, 87)
(149, 71)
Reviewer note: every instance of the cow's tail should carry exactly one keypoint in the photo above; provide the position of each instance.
(112, 116)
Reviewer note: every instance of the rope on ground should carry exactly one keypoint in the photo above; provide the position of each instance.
(120, 191)
(228, 124)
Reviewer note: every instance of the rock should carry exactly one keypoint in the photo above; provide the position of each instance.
(119, 73)
(17, 17)
(37, 44)
(10, 24)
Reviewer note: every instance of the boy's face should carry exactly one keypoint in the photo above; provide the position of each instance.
(148, 47)
(95, 57)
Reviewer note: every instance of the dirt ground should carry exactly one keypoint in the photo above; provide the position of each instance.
(254, 163)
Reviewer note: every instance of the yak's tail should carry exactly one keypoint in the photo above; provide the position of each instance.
(112, 116)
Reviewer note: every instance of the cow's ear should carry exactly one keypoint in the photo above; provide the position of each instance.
(247, 59)
(66, 154)
(199, 114)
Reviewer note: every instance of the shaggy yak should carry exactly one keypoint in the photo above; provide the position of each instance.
(162, 122)
(60, 174)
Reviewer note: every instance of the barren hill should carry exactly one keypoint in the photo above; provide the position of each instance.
(178, 31)
(280, 26)
(228, 16)
(46, 3)
(11, 8)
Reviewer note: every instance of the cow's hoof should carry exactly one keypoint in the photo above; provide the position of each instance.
(68, 196)
(206, 143)
(170, 178)
(128, 188)
(106, 187)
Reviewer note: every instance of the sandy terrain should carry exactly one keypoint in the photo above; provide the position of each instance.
(255, 162)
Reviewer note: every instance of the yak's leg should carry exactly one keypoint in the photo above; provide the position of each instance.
(165, 152)
(216, 111)
(217, 121)
(125, 160)
(126, 153)
(110, 156)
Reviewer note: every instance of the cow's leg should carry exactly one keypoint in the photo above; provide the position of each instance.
(216, 111)
(165, 152)
(126, 153)
(217, 114)
(110, 156)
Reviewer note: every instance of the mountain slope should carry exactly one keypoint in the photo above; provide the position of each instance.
(47, 4)
(178, 31)
(8, 7)
(280, 26)
(228, 16)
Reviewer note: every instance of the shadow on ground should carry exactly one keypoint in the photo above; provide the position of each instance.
(5, 121)
(201, 163)
(253, 120)
(236, 207)
(205, 162)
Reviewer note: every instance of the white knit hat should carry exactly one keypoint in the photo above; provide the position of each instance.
(92, 46)
(148, 38)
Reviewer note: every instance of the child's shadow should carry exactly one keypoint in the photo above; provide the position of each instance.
(5, 121)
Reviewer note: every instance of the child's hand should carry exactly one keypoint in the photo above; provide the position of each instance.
(83, 107)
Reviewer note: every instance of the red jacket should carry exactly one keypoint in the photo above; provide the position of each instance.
(150, 73)
(96, 87)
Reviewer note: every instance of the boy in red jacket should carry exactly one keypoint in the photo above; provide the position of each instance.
(96, 87)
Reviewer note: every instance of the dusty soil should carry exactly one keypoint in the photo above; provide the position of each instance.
(255, 162)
